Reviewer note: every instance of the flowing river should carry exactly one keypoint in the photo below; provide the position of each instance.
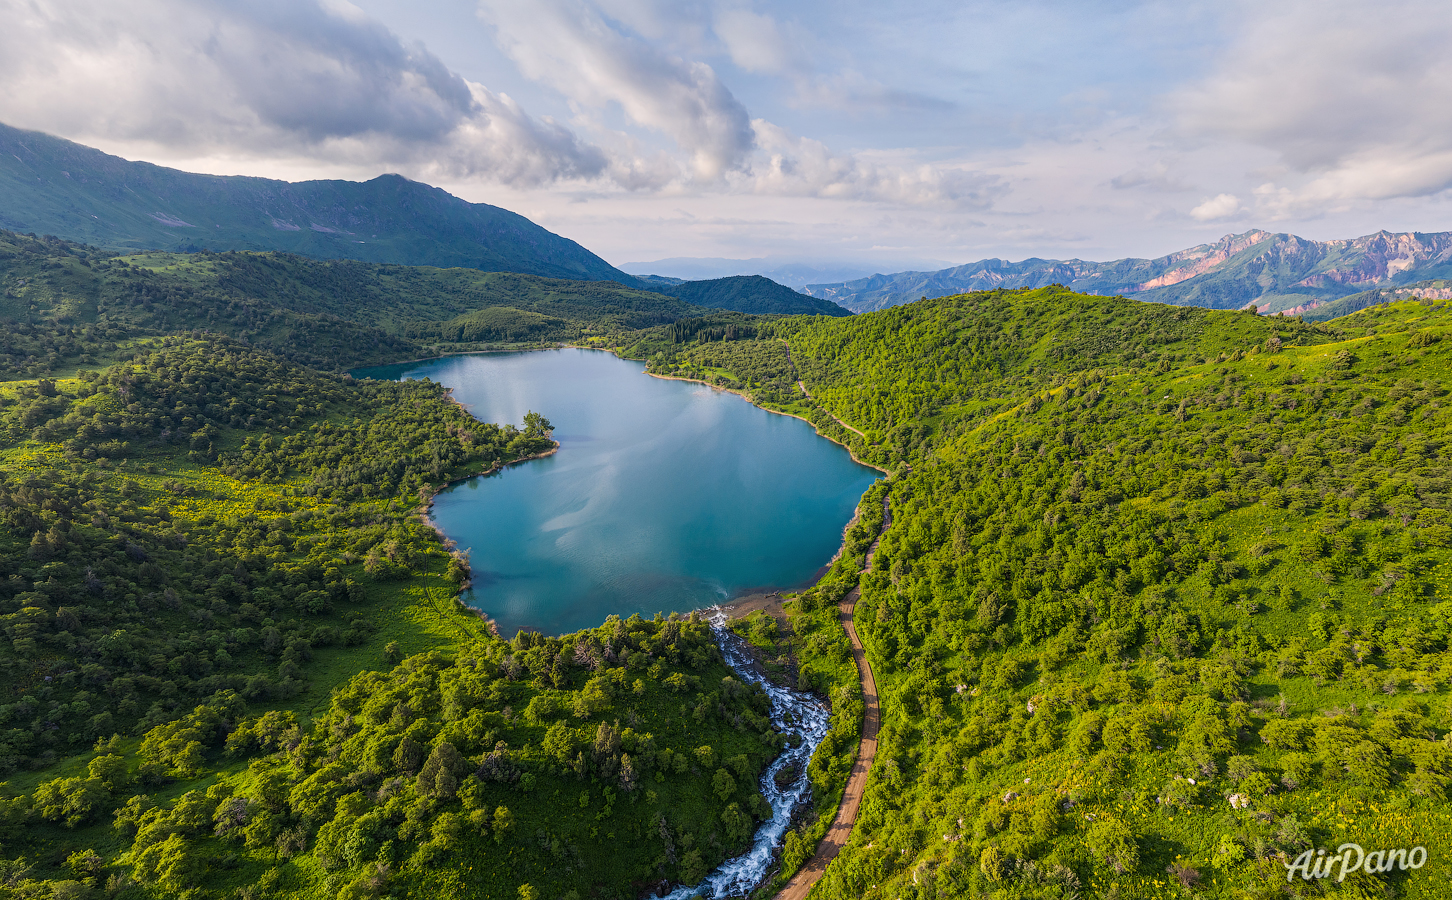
(794, 713)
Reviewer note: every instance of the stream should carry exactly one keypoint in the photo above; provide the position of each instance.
(794, 713)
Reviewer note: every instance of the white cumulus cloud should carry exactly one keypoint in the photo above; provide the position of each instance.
(1220, 206)
(572, 46)
(301, 77)
(797, 166)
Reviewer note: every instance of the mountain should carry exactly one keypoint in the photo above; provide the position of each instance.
(53, 186)
(749, 294)
(1275, 272)
(794, 273)
(337, 313)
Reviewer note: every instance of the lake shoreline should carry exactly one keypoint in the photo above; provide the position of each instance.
(749, 399)
(426, 505)
(424, 359)
(742, 601)
(615, 351)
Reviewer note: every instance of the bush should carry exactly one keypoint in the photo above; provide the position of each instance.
(70, 800)
(1113, 844)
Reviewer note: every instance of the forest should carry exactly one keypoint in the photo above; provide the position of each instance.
(235, 660)
(74, 306)
(1163, 604)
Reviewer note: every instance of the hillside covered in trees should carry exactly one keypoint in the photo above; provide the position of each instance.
(1165, 601)
(234, 660)
(1162, 605)
(53, 186)
(70, 306)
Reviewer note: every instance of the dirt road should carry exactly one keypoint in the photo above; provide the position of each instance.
(803, 387)
(836, 838)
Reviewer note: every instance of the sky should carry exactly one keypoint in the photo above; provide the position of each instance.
(879, 133)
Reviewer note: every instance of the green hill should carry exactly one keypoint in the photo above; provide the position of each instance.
(71, 304)
(1164, 603)
(234, 662)
(749, 294)
(51, 186)
(1162, 606)
(1437, 289)
(327, 313)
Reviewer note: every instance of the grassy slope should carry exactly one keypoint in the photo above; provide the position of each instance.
(1128, 540)
(752, 294)
(1345, 306)
(998, 401)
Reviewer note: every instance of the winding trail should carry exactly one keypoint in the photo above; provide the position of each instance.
(803, 387)
(836, 838)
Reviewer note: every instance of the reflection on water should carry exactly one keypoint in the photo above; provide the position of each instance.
(665, 495)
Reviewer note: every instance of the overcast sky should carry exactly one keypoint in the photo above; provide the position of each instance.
(842, 130)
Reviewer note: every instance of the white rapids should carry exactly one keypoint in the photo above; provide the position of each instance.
(793, 713)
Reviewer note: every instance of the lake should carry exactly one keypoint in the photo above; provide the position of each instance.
(664, 496)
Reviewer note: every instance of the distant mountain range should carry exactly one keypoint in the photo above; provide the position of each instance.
(1274, 272)
(793, 273)
(53, 186)
(1436, 289)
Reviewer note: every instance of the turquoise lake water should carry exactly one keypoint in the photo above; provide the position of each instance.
(665, 495)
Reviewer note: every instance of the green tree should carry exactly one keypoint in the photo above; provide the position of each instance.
(723, 784)
(439, 776)
(70, 800)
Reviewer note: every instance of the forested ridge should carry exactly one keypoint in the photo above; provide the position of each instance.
(1165, 599)
(71, 306)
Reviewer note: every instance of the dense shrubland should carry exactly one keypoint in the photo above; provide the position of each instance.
(1164, 602)
(146, 564)
(436, 776)
(200, 542)
(1165, 599)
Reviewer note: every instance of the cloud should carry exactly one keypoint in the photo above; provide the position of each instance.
(753, 40)
(1156, 177)
(320, 83)
(1357, 102)
(612, 52)
(304, 77)
(797, 166)
(572, 46)
(1221, 206)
